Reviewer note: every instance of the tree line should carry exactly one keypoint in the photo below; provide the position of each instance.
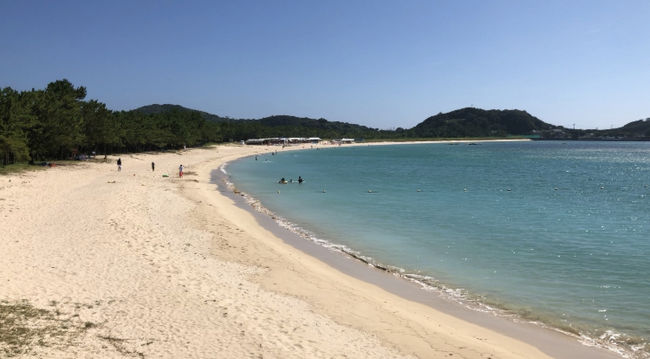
(57, 123)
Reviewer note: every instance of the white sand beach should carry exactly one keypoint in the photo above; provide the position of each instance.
(133, 264)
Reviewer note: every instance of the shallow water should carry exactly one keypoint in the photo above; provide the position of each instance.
(554, 232)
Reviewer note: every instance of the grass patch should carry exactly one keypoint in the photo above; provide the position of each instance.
(19, 167)
(24, 327)
(120, 345)
(26, 167)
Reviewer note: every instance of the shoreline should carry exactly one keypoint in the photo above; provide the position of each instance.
(139, 264)
(551, 341)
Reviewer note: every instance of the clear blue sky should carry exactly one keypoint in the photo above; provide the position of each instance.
(383, 64)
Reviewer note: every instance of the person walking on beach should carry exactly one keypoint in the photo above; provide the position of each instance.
(153, 166)
(119, 164)
(180, 171)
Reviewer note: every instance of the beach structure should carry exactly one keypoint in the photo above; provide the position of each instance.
(282, 140)
(344, 141)
(267, 141)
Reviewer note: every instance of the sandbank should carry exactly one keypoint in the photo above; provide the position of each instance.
(132, 263)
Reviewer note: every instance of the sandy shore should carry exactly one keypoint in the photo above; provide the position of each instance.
(100, 263)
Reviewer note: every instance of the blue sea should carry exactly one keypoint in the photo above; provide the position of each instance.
(552, 232)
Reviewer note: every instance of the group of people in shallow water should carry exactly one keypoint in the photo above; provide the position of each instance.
(284, 181)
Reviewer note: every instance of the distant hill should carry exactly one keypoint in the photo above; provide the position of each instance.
(463, 123)
(156, 109)
(291, 126)
(634, 130)
(475, 122)
(275, 126)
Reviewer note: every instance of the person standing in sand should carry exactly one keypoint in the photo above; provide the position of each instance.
(119, 164)
(180, 171)
(153, 166)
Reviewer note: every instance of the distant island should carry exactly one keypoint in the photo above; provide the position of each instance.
(57, 123)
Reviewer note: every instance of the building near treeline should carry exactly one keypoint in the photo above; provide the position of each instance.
(282, 140)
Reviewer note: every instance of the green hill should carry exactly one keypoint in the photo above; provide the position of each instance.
(475, 122)
(634, 130)
(303, 126)
(274, 126)
(156, 109)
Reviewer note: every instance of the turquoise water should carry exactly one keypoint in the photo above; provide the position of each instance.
(554, 232)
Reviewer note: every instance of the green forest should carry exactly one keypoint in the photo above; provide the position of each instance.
(57, 123)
